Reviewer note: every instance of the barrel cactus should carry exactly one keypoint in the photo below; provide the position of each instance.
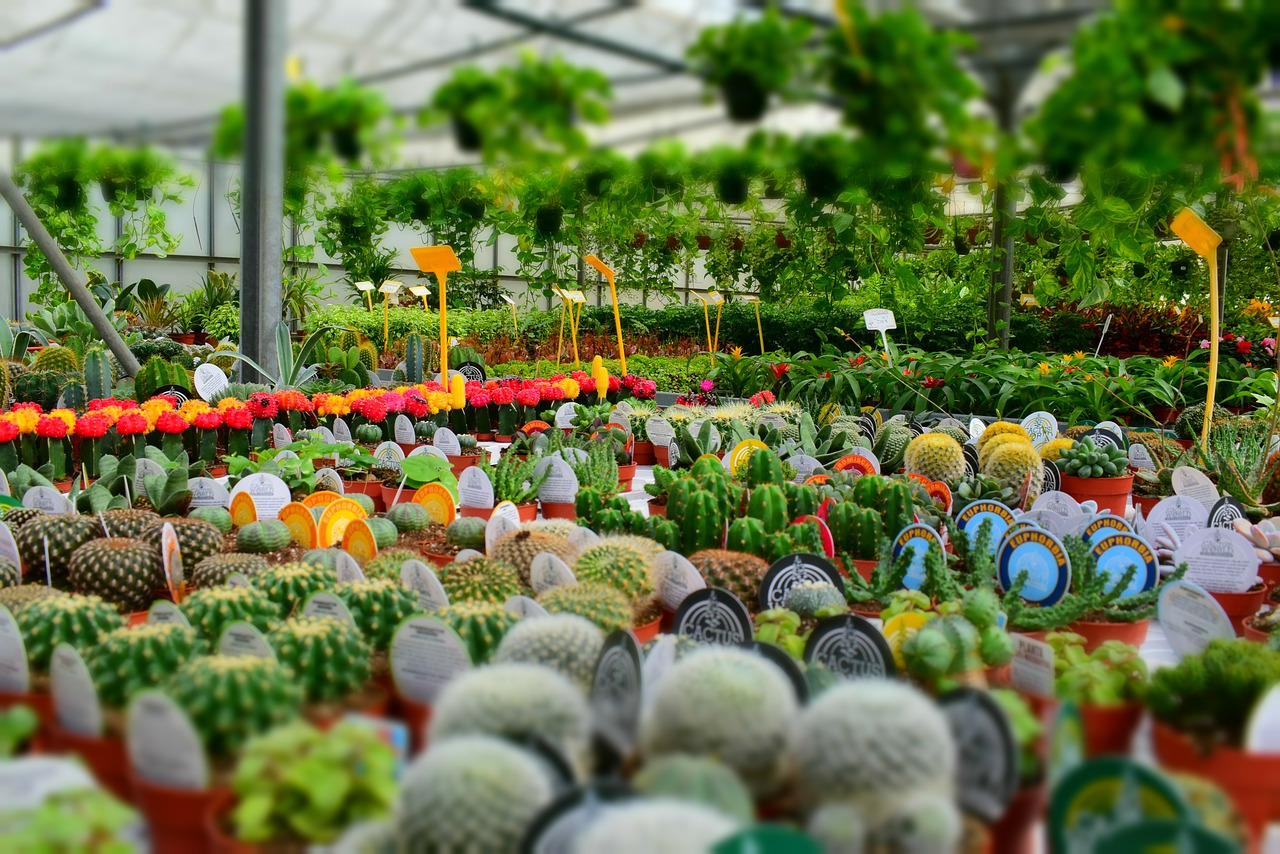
(127, 660)
(657, 824)
(936, 456)
(81, 621)
(328, 658)
(289, 585)
(212, 609)
(563, 642)
(230, 699)
(619, 565)
(378, 606)
(481, 625)
(603, 605)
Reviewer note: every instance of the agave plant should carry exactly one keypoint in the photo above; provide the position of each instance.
(291, 370)
(1239, 457)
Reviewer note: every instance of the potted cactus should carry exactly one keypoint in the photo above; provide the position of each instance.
(512, 480)
(1106, 684)
(1092, 472)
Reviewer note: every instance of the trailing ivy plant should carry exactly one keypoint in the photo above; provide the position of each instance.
(751, 60)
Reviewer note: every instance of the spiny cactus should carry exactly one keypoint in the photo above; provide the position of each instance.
(80, 621)
(657, 824)
(855, 531)
(211, 610)
(936, 456)
(61, 360)
(97, 374)
(815, 600)
(289, 585)
(480, 579)
(378, 605)
(736, 572)
(563, 642)
(1000, 428)
(328, 658)
(696, 779)
(1014, 465)
(603, 605)
(218, 517)
(617, 565)
(519, 548)
(214, 570)
(269, 535)
(466, 532)
(156, 374)
(727, 703)
(123, 572)
(64, 534)
(127, 660)
(409, 516)
(481, 625)
(131, 523)
(230, 699)
(388, 562)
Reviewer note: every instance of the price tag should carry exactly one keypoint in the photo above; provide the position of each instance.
(677, 578)
(851, 647)
(209, 380)
(447, 441)
(1218, 559)
(425, 656)
(714, 616)
(547, 571)
(1032, 668)
(163, 745)
(328, 606)
(918, 538)
(269, 493)
(474, 488)
(207, 492)
(616, 691)
(1191, 617)
(787, 572)
(75, 699)
(422, 580)
(241, 638)
(404, 430)
(988, 754)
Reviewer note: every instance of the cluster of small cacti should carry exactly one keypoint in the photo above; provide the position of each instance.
(1006, 455)
(953, 644)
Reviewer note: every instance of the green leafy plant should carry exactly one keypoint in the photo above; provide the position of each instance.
(1112, 674)
(751, 60)
(1211, 696)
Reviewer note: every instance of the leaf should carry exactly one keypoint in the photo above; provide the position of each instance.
(252, 818)
(1166, 88)
(1126, 247)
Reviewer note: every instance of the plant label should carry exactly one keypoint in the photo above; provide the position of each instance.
(474, 488)
(341, 431)
(404, 430)
(1225, 512)
(976, 428)
(1043, 558)
(660, 431)
(1262, 734)
(328, 480)
(851, 647)
(280, 435)
(75, 699)
(1094, 799)
(286, 455)
(1044, 519)
(428, 450)
(806, 466)
(171, 555)
(269, 493)
(788, 665)
(868, 455)
(9, 546)
(241, 638)
(15, 677)
(582, 538)
(348, 568)
(557, 827)
(1182, 515)
(327, 435)
(163, 612)
(163, 745)
(1195, 484)
(879, 319)
(1140, 457)
(988, 754)
(564, 416)
(1120, 550)
(422, 580)
(971, 466)
(48, 499)
(472, 372)
(4, 484)
(547, 571)
(918, 538)
(1191, 617)
(209, 380)
(389, 452)
(467, 554)
(425, 656)
(561, 485)
(235, 579)
(525, 608)
(1218, 559)
(329, 606)
(677, 578)
(1101, 526)
(1041, 427)
(1032, 668)
(774, 422)
(616, 691)
(506, 510)
(1058, 502)
(972, 517)
(144, 469)
(787, 572)
(447, 440)
(207, 492)
(714, 616)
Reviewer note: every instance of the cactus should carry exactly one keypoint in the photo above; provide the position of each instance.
(727, 703)
(6, 384)
(19, 597)
(763, 467)
(386, 564)
(815, 600)
(769, 505)
(1015, 465)
(999, 441)
(385, 533)
(211, 610)
(413, 359)
(703, 524)
(466, 532)
(802, 499)
(196, 538)
(73, 396)
(214, 570)
(736, 572)
(289, 585)
(122, 572)
(519, 548)
(563, 642)
(481, 625)
(58, 360)
(870, 743)
(480, 579)
(471, 793)
(368, 434)
(223, 356)
(603, 605)
(619, 565)
(663, 531)
(346, 339)
(517, 702)
(1052, 449)
(890, 444)
(920, 821)
(81, 621)
(1190, 422)
(747, 535)
(408, 517)
(127, 660)
(378, 606)
(63, 533)
(856, 531)
(42, 387)
(16, 517)
(270, 535)
(936, 456)
(97, 374)
(218, 517)
(10, 574)
(368, 355)
(328, 658)
(659, 824)
(230, 699)
(1000, 428)
(867, 491)
(155, 375)
(696, 779)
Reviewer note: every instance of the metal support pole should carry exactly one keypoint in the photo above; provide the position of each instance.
(262, 196)
(71, 279)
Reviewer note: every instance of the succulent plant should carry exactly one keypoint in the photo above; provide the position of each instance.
(936, 456)
(230, 699)
(218, 517)
(696, 779)
(212, 609)
(387, 563)
(466, 532)
(481, 625)
(19, 597)
(127, 660)
(197, 539)
(603, 605)
(618, 565)
(129, 522)
(80, 621)
(657, 824)
(815, 599)
(64, 534)
(409, 516)
(519, 548)
(563, 642)
(289, 585)
(123, 572)
(480, 579)
(1016, 466)
(1001, 428)
(264, 537)
(727, 703)
(737, 572)
(471, 793)
(214, 570)
(10, 574)
(329, 658)
(378, 606)
(1086, 459)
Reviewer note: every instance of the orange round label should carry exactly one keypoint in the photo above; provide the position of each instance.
(535, 427)
(358, 541)
(854, 461)
(818, 479)
(301, 524)
(322, 498)
(336, 517)
(243, 510)
(438, 500)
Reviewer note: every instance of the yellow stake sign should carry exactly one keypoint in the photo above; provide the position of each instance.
(1204, 241)
(613, 295)
(716, 299)
(440, 260)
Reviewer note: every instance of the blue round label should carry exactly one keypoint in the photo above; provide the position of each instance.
(918, 538)
(1100, 526)
(1117, 551)
(1042, 557)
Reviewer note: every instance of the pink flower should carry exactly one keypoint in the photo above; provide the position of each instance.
(1204, 344)
(707, 385)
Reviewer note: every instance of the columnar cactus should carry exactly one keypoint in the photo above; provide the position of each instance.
(856, 531)
(769, 504)
(747, 534)
(97, 374)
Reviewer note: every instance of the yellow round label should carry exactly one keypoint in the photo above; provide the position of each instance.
(438, 501)
(243, 510)
(358, 541)
(744, 449)
(899, 628)
(301, 524)
(322, 498)
(335, 519)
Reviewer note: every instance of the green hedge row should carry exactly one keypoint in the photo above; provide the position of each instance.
(674, 375)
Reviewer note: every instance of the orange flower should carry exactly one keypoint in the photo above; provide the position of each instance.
(66, 416)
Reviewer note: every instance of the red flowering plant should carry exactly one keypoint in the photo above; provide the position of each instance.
(294, 405)
(239, 424)
(527, 399)
(89, 430)
(129, 426)
(171, 426)
(504, 397)
(53, 430)
(478, 400)
(8, 445)
(373, 411)
(207, 424)
(264, 409)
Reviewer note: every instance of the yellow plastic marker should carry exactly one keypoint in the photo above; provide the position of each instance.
(458, 392)
(713, 298)
(573, 301)
(1204, 241)
(613, 295)
(440, 260)
(564, 302)
(755, 300)
(515, 324)
(388, 289)
(423, 292)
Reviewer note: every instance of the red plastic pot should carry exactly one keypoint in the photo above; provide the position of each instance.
(1145, 503)
(1241, 606)
(217, 823)
(626, 474)
(642, 453)
(1095, 634)
(438, 560)
(559, 510)
(484, 437)
(1018, 829)
(657, 509)
(506, 440)
(1111, 493)
(528, 511)
(462, 463)
(647, 632)
(865, 568)
(175, 817)
(1108, 730)
(387, 495)
(106, 757)
(417, 717)
(475, 512)
(1252, 634)
(662, 456)
(407, 447)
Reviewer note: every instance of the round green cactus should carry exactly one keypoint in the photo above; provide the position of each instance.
(603, 605)
(387, 563)
(480, 579)
(515, 702)
(230, 699)
(471, 793)
(127, 660)
(466, 532)
(737, 572)
(618, 565)
(10, 573)
(936, 456)
(214, 570)
(409, 516)
(481, 625)
(699, 780)
(270, 535)
(813, 599)
(378, 606)
(563, 642)
(328, 658)
(128, 522)
(218, 517)
(80, 621)
(212, 609)
(63, 533)
(123, 572)
(727, 703)
(289, 585)
(196, 538)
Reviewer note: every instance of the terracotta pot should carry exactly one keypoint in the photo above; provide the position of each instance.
(1095, 634)
(662, 456)
(183, 337)
(137, 618)
(648, 631)
(657, 509)
(175, 817)
(1145, 503)
(1018, 830)
(528, 511)
(865, 568)
(1111, 493)
(484, 437)
(559, 510)
(217, 824)
(462, 463)
(1240, 606)
(1252, 634)
(417, 717)
(626, 474)
(438, 559)
(407, 447)
(1269, 573)
(642, 453)
(106, 757)
(1185, 444)
(387, 495)
(42, 704)
(1108, 730)
(216, 471)
(374, 702)
(475, 512)
(1252, 780)
(64, 486)
(506, 440)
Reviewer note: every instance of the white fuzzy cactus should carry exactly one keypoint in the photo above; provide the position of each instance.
(660, 824)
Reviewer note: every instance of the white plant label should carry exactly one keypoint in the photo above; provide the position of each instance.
(561, 485)
(328, 606)
(269, 493)
(1218, 559)
(163, 745)
(1058, 502)
(75, 699)
(1140, 457)
(1184, 516)
(863, 451)
(327, 435)
(422, 580)
(474, 488)
(676, 578)
(48, 499)
(280, 435)
(525, 608)
(447, 440)
(428, 450)
(1191, 617)
(879, 319)
(976, 428)
(163, 612)
(547, 571)
(207, 492)
(564, 416)
(389, 452)
(209, 380)
(236, 579)
(4, 484)
(509, 510)
(1195, 484)
(241, 638)
(1041, 427)
(347, 568)
(404, 430)
(328, 480)
(1111, 427)
(466, 555)
(806, 466)
(341, 430)
(1032, 666)
(583, 538)
(15, 678)
(425, 656)
(1262, 735)
(660, 431)
(497, 527)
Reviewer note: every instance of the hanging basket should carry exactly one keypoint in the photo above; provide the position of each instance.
(744, 98)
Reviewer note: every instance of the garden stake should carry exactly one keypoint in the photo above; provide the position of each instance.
(613, 295)
(366, 288)
(424, 292)
(442, 261)
(515, 324)
(1105, 326)
(1204, 241)
(755, 301)
(387, 289)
